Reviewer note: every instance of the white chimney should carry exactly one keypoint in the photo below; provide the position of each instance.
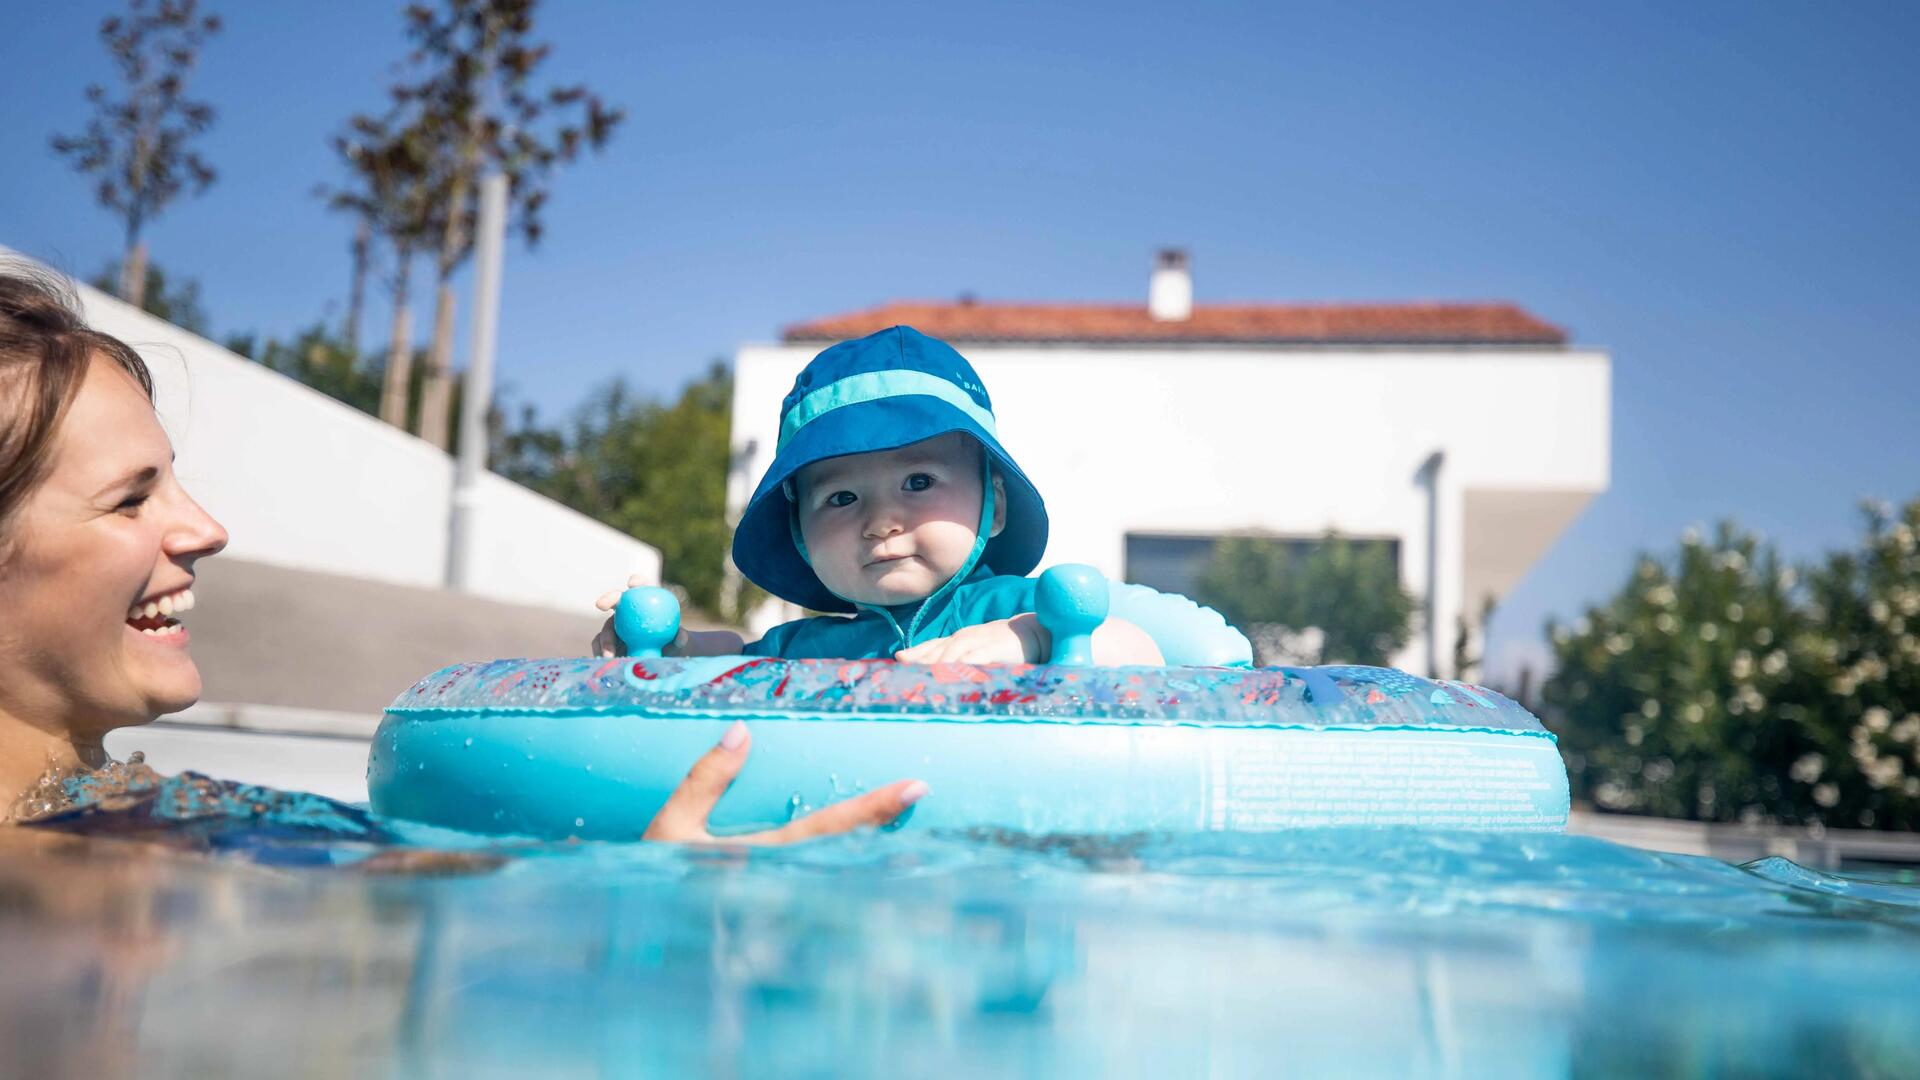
(1170, 290)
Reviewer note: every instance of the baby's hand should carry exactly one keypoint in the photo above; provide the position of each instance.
(606, 643)
(1008, 641)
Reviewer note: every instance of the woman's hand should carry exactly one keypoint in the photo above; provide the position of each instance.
(683, 820)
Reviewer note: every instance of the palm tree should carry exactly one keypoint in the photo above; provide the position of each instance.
(137, 145)
(394, 194)
(477, 102)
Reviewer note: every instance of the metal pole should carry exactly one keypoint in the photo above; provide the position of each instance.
(1430, 471)
(476, 396)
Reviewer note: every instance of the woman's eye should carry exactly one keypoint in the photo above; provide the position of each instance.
(841, 498)
(131, 504)
(918, 482)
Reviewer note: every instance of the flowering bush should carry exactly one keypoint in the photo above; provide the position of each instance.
(1867, 603)
(1718, 685)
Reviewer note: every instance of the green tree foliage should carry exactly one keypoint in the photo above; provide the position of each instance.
(1867, 603)
(322, 359)
(1685, 695)
(176, 301)
(1347, 589)
(1716, 685)
(654, 470)
(136, 146)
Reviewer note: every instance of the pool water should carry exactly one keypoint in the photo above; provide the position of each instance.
(258, 936)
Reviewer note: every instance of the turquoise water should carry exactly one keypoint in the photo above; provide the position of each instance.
(1333, 952)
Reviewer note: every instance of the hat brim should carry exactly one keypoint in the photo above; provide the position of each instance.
(763, 547)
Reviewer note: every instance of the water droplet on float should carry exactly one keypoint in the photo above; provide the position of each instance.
(419, 766)
(469, 741)
(579, 822)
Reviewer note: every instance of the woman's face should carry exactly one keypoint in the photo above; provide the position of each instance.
(95, 566)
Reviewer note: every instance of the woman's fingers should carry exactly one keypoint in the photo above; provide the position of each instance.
(684, 817)
(683, 820)
(872, 810)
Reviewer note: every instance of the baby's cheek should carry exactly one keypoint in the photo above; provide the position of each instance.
(955, 541)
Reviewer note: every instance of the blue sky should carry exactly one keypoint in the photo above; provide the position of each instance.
(1725, 195)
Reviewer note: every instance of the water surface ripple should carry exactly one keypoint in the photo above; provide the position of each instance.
(237, 942)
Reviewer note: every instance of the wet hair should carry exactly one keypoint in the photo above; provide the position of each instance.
(45, 350)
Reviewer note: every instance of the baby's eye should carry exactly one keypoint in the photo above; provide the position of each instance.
(841, 498)
(917, 482)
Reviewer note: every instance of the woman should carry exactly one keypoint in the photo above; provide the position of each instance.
(98, 543)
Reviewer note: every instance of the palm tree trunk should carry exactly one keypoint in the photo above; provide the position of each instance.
(393, 388)
(133, 273)
(357, 292)
(133, 263)
(436, 391)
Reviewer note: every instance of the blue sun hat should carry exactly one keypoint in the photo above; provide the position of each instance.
(879, 392)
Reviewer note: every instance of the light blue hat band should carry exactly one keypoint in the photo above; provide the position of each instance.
(875, 386)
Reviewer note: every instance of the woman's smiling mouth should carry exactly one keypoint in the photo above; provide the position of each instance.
(154, 619)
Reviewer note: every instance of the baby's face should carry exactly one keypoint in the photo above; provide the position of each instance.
(892, 527)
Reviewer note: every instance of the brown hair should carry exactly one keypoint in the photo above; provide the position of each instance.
(45, 347)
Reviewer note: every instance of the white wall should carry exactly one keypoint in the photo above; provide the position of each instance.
(304, 481)
(1291, 441)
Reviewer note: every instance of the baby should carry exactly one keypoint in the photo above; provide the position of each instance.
(891, 499)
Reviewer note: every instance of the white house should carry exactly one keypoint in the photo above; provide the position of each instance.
(1469, 435)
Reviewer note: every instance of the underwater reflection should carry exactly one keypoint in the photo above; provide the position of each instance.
(1347, 951)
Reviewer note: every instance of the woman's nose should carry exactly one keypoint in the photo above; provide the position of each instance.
(197, 534)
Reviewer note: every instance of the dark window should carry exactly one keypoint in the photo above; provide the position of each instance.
(1173, 562)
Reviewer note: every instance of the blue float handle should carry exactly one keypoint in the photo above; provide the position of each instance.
(1071, 601)
(647, 620)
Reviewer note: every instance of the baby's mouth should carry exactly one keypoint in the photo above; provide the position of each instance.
(154, 617)
(883, 560)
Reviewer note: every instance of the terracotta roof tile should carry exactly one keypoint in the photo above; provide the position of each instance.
(1408, 323)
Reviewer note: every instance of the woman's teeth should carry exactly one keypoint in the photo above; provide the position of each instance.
(165, 607)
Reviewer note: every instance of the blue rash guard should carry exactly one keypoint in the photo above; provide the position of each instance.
(877, 632)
